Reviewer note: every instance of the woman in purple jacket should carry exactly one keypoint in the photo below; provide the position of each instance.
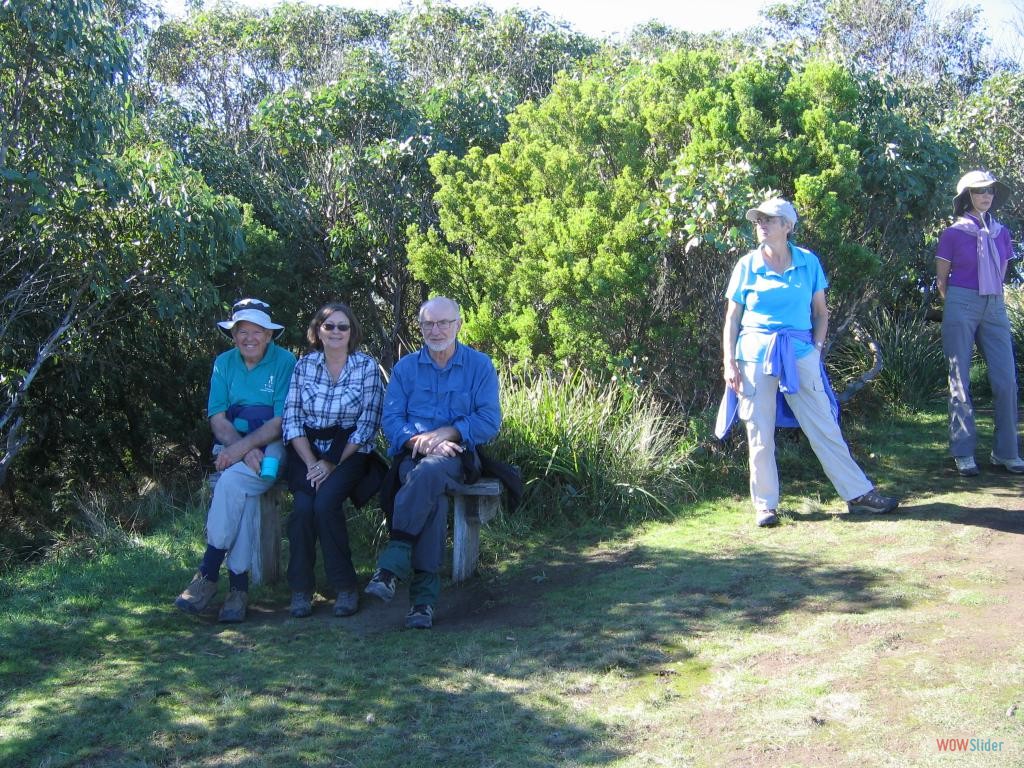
(971, 264)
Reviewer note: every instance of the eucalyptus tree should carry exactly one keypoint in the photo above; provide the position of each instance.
(321, 120)
(100, 227)
(943, 54)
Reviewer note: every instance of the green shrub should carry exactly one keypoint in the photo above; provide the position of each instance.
(590, 449)
(913, 371)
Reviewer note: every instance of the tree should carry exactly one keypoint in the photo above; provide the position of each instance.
(602, 231)
(99, 226)
(899, 41)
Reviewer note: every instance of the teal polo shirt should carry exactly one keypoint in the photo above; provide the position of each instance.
(233, 383)
(772, 301)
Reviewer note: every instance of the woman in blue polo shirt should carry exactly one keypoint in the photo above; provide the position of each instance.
(776, 321)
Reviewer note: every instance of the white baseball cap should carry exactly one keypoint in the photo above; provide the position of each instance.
(774, 206)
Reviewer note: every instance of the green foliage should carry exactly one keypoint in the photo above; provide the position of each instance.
(591, 450)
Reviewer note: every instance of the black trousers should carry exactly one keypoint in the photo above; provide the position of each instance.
(321, 516)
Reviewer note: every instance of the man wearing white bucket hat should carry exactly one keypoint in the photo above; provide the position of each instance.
(971, 263)
(246, 404)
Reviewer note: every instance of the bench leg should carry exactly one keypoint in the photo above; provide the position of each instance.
(270, 535)
(465, 539)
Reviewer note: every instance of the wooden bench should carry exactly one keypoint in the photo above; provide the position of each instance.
(270, 530)
(474, 504)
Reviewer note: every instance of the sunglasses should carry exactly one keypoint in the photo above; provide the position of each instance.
(335, 326)
(983, 190)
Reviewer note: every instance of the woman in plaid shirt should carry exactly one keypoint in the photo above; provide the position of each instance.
(331, 418)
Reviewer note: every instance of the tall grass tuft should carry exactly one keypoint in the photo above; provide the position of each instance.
(913, 372)
(1015, 311)
(592, 450)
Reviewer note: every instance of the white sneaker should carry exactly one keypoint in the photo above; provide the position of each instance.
(1016, 466)
(965, 466)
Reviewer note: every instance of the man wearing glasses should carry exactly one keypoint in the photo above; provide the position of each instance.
(441, 403)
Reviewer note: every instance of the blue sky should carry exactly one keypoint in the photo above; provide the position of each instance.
(609, 17)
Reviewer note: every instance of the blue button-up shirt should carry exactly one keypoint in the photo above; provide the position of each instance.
(421, 397)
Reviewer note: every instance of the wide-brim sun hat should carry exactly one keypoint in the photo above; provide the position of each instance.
(251, 311)
(978, 179)
(775, 206)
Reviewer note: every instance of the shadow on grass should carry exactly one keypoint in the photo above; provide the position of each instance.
(123, 680)
(995, 518)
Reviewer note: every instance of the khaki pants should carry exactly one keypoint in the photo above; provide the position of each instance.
(233, 522)
(812, 409)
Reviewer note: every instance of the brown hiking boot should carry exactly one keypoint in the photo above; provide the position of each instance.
(197, 595)
(234, 607)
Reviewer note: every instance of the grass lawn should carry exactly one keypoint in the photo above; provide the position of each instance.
(832, 640)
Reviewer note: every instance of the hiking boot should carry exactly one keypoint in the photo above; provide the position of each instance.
(382, 585)
(233, 610)
(766, 518)
(197, 595)
(1016, 466)
(302, 605)
(347, 602)
(873, 502)
(965, 466)
(420, 617)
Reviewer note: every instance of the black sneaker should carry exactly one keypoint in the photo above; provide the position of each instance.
(382, 585)
(420, 617)
(874, 503)
(966, 466)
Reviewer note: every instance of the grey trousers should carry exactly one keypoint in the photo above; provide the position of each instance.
(421, 507)
(968, 319)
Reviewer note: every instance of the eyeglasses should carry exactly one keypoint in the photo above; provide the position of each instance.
(335, 326)
(441, 325)
(983, 190)
(762, 219)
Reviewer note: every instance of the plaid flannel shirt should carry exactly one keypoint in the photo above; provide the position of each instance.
(355, 399)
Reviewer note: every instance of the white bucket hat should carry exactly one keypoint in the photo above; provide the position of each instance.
(775, 206)
(977, 180)
(252, 311)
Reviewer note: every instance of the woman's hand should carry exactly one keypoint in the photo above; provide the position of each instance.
(732, 376)
(319, 471)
